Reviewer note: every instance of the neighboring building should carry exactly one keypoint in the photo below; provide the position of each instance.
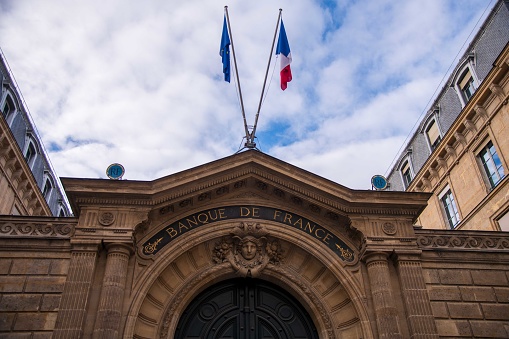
(27, 183)
(460, 151)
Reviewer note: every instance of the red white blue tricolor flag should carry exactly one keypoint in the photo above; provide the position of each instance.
(224, 51)
(283, 48)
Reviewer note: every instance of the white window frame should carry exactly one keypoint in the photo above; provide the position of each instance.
(467, 66)
(406, 160)
(503, 221)
(9, 118)
(62, 211)
(432, 118)
(485, 171)
(30, 140)
(447, 213)
(48, 179)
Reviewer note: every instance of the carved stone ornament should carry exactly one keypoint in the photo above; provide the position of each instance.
(106, 218)
(36, 229)
(389, 228)
(248, 249)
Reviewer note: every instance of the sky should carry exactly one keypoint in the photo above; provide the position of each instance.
(140, 83)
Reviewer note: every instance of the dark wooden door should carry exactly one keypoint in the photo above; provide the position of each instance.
(245, 309)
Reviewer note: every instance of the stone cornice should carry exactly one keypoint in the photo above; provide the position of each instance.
(16, 169)
(225, 174)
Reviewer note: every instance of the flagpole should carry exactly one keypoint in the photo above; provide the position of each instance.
(237, 75)
(252, 136)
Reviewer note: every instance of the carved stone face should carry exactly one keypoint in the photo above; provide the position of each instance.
(248, 250)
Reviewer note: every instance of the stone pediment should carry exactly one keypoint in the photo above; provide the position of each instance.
(251, 180)
(248, 173)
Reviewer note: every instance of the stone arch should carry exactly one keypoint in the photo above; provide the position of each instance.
(329, 292)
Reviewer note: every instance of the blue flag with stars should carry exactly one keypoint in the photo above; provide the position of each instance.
(224, 51)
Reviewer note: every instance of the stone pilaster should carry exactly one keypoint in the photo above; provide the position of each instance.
(415, 296)
(109, 313)
(73, 306)
(383, 298)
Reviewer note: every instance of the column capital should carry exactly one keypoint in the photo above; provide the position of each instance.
(370, 257)
(406, 255)
(81, 245)
(119, 247)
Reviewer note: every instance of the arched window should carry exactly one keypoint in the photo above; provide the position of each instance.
(406, 173)
(465, 80)
(62, 211)
(8, 107)
(30, 151)
(406, 170)
(431, 129)
(466, 85)
(48, 186)
(433, 134)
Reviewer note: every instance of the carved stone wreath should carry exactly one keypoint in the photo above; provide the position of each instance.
(248, 249)
(106, 218)
(389, 228)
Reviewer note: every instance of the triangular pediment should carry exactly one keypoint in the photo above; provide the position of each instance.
(248, 173)
(246, 181)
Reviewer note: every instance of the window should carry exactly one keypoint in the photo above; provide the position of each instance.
(465, 80)
(406, 173)
(450, 208)
(61, 212)
(491, 164)
(30, 153)
(433, 135)
(503, 222)
(8, 108)
(467, 86)
(47, 188)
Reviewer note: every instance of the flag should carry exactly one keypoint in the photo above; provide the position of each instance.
(224, 51)
(283, 48)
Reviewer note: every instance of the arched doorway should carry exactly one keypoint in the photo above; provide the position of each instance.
(245, 308)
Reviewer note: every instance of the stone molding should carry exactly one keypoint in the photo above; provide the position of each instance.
(330, 293)
(181, 295)
(37, 228)
(466, 240)
(247, 171)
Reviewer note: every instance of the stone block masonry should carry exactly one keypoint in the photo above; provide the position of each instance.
(469, 300)
(31, 285)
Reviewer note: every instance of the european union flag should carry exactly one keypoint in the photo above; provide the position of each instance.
(224, 51)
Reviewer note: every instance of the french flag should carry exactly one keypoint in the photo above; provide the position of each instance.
(283, 48)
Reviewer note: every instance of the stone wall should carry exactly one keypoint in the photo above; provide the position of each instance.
(467, 277)
(33, 269)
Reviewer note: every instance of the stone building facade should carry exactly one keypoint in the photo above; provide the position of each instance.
(252, 247)
(459, 151)
(247, 247)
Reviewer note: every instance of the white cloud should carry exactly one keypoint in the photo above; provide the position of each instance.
(140, 83)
